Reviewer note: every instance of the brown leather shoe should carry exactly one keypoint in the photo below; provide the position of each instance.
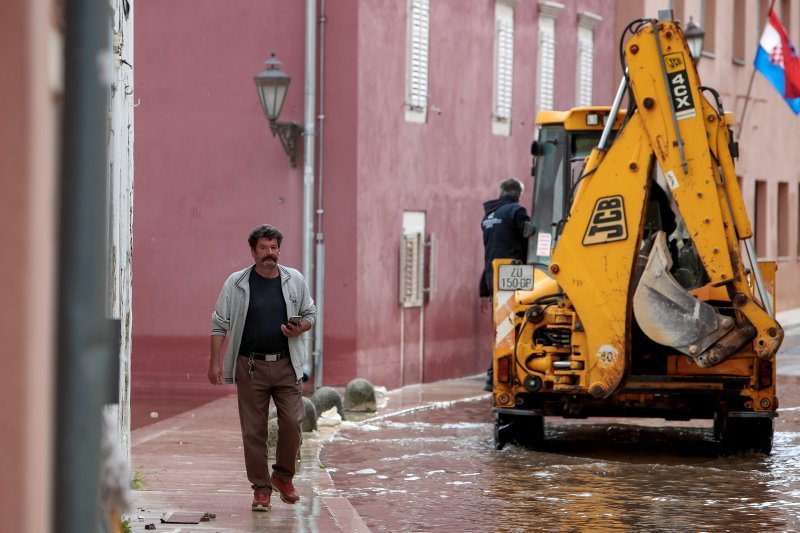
(260, 501)
(286, 490)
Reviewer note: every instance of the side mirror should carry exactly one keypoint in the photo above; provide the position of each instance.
(543, 148)
(539, 148)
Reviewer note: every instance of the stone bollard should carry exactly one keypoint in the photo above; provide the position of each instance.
(326, 397)
(360, 396)
(310, 421)
(272, 436)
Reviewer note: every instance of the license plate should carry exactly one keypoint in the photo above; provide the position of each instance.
(515, 278)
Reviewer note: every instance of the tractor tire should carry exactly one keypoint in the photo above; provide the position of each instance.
(744, 434)
(523, 430)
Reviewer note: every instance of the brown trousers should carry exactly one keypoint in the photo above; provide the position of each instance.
(278, 381)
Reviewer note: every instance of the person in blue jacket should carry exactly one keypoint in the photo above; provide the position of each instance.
(506, 228)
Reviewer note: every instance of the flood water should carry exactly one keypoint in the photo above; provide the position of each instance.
(438, 470)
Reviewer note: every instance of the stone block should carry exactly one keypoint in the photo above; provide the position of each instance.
(360, 396)
(326, 397)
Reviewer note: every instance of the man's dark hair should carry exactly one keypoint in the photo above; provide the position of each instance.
(264, 231)
(511, 189)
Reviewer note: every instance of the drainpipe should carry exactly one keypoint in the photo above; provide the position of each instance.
(320, 255)
(87, 373)
(308, 152)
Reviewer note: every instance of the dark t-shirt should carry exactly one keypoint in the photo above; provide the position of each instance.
(265, 314)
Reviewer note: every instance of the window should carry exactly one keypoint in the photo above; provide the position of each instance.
(586, 24)
(548, 11)
(708, 23)
(760, 219)
(417, 60)
(503, 67)
(677, 9)
(783, 219)
(738, 35)
(761, 19)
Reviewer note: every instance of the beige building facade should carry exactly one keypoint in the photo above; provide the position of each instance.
(769, 134)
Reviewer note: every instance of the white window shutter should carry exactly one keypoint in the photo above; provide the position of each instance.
(548, 11)
(505, 69)
(585, 72)
(417, 63)
(547, 64)
(585, 64)
(411, 270)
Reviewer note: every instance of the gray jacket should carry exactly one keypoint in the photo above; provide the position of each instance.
(231, 310)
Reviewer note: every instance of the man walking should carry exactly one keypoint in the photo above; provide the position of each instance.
(506, 228)
(265, 309)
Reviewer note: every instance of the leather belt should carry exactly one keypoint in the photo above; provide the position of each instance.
(272, 357)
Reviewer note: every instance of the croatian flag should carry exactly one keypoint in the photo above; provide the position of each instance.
(777, 60)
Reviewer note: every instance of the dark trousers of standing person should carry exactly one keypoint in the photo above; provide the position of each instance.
(488, 279)
(275, 379)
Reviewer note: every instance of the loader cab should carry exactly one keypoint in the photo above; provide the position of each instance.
(566, 138)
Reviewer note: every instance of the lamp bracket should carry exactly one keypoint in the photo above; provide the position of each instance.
(287, 132)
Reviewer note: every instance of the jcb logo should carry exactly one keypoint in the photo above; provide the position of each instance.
(678, 79)
(607, 223)
(674, 62)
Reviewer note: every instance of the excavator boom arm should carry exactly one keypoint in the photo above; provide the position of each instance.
(595, 258)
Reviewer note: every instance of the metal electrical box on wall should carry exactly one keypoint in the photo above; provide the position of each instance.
(412, 259)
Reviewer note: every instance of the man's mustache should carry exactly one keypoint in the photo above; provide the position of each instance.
(272, 257)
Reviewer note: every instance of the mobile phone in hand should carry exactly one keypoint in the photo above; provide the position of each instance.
(295, 320)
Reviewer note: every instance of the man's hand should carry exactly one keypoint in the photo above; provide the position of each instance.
(214, 373)
(486, 305)
(529, 230)
(214, 366)
(292, 330)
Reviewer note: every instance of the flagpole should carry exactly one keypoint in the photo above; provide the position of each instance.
(746, 101)
(750, 85)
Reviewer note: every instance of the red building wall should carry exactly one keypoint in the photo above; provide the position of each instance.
(207, 171)
(446, 167)
(341, 54)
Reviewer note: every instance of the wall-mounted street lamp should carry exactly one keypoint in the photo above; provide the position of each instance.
(272, 84)
(694, 38)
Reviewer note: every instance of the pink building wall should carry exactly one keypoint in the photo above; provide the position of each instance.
(207, 171)
(606, 52)
(30, 52)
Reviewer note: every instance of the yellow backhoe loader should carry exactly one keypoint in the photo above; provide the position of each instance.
(642, 295)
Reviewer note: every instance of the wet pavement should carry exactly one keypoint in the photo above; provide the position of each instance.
(148, 409)
(428, 462)
(193, 463)
(438, 470)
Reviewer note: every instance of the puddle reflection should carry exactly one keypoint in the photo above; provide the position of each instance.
(438, 470)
